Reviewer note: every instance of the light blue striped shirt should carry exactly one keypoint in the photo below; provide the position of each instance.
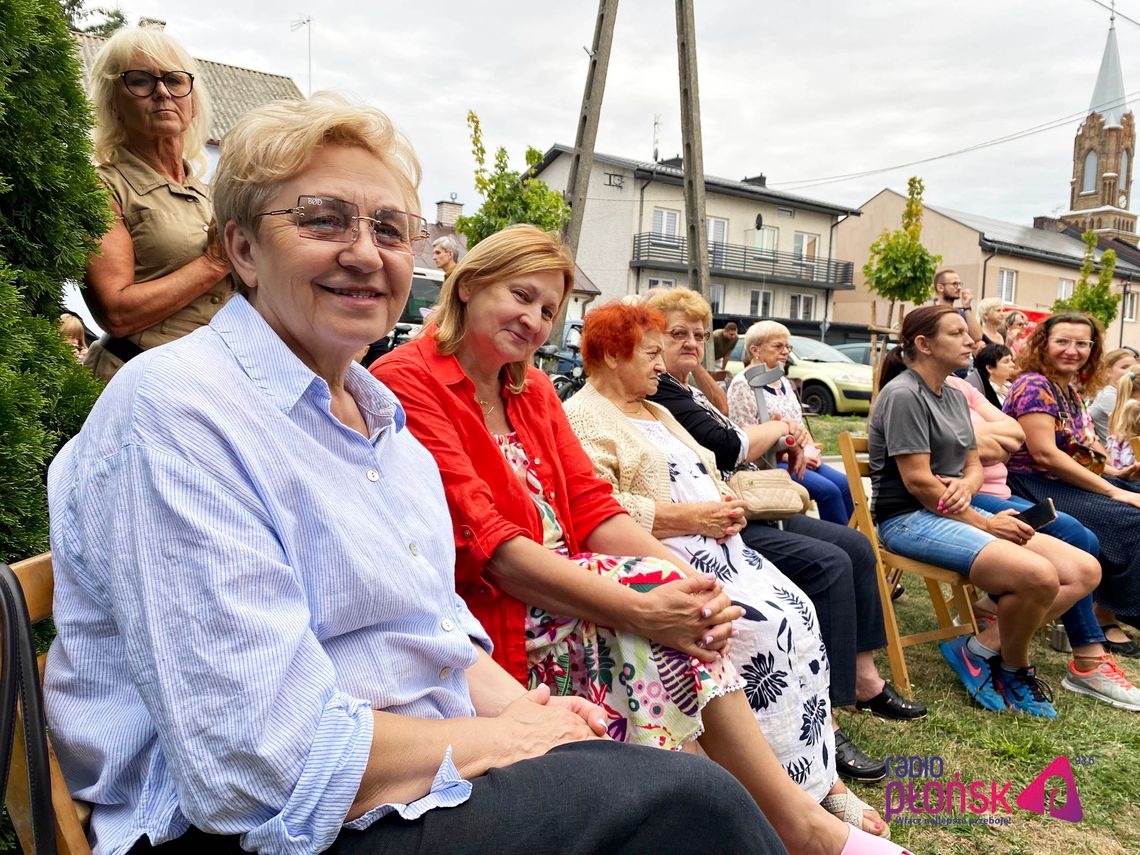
(240, 579)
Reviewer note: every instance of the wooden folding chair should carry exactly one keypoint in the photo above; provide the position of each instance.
(28, 799)
(892, 566)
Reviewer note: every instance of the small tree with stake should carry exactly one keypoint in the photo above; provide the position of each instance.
(900, 269)
(1093, 299)
(508, 197)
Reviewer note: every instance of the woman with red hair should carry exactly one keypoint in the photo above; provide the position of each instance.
(672, 487)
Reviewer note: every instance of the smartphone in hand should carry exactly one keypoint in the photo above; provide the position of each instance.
(1038, 516)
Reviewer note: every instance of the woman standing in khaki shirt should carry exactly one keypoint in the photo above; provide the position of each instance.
(160, 272)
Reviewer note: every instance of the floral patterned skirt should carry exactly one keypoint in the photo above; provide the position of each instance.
(652, 695)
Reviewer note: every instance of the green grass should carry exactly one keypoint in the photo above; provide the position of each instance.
(826, 429)
(1002, 747)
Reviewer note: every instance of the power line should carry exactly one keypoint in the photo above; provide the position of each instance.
(1112, 9)
(804, 183)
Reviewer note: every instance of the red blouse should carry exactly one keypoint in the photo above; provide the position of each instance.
(489, 504)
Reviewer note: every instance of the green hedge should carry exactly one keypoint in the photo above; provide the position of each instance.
(53, 210)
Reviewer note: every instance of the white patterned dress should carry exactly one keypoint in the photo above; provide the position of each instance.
(778, 651)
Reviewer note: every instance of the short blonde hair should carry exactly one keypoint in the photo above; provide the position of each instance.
(116, 57)
(761, 331)
(515, 251)
(984, 307)
(272, 143)
(684, 300)
(71, 328)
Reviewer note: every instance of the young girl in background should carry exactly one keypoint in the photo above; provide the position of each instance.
(1124, 427)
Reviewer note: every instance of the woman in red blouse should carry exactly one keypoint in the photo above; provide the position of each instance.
(647, 635)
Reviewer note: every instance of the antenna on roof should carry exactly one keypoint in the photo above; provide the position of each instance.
(306, 21)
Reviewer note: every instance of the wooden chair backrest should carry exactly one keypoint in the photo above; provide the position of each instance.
(37, 582)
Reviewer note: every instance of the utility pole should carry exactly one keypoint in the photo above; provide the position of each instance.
(693, 164)
(589, 116)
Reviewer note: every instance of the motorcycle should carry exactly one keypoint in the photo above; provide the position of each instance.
(567, 382)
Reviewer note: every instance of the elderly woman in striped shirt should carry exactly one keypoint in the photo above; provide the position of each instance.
(260, 645)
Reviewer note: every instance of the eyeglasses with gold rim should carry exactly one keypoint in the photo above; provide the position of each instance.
(336, 220)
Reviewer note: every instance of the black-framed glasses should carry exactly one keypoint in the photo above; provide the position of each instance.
(700, 336)
(326, 218)
(142, 83)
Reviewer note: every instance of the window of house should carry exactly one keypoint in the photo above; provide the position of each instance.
(1131, 298)
(1065, 288)
(806, 246)
(760, 304)
(666, 223)
(1088, 176)
(655, 282)
(802, 307)
(718, 237)
(718, 230)
(716, 296)
(1007, 285)
(767, 239)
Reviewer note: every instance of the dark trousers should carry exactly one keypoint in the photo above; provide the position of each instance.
(586, 797)
(835, 567)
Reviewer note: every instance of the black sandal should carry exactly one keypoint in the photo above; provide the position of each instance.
(1127, 648)
(852, 763)
(890, 704)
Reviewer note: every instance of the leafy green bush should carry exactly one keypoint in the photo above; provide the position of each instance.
(53, 210)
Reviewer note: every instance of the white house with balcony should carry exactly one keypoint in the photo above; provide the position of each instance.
(770, 253)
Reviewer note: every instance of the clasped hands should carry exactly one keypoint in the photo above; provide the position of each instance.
(693, 615)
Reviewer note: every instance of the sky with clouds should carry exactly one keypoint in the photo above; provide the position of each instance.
(795, 89)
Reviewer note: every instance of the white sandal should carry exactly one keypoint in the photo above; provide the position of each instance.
(849, 808)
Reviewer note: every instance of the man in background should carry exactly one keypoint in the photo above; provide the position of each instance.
(446, 252)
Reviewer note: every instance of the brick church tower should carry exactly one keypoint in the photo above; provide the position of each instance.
(1102, 156)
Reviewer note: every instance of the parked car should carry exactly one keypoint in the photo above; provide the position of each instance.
(831, 382)
(424, 295)
(860, 351)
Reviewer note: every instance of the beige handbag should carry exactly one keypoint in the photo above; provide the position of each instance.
(769, 494)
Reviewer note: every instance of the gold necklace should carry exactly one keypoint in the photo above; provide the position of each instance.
(486, 406)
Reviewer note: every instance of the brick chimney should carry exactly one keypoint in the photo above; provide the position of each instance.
(447, 212)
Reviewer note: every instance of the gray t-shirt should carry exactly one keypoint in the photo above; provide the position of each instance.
(908, 418)
(1100, 410)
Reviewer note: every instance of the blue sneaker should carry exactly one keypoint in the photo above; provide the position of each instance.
(975, 673)
(1024, 692)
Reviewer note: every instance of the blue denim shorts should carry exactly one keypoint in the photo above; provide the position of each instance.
(941, 541)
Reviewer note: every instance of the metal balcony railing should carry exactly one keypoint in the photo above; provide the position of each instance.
(745, 262)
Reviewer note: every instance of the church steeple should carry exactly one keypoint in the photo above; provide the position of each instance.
(1101, 187)
(1108, 94)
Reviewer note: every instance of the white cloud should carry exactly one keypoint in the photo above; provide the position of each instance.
(789, 88)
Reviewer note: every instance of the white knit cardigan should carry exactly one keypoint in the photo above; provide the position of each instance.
(637, 469)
